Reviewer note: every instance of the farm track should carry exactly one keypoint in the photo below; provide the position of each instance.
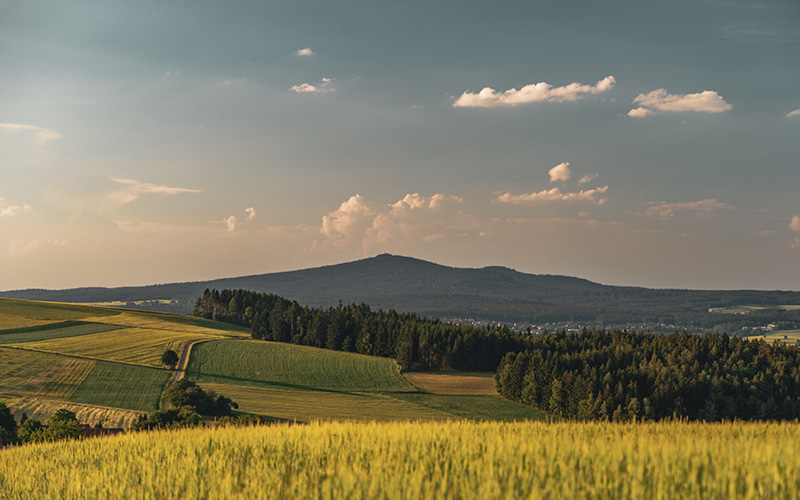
(183, 362)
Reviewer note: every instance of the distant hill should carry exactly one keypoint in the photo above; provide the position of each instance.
(489, 293)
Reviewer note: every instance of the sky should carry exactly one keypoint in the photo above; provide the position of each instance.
(631, 143)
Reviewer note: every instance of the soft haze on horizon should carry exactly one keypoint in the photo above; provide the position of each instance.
(645, 144)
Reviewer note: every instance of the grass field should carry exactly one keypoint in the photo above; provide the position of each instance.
(453, 382)
(282, 365)
(475, 407)
(9, 321)
(25, 373)
(52, 331)
(458, 460)
(122, 386)
(749, 308)
(791, 337)
(52, 311)
(307, 405)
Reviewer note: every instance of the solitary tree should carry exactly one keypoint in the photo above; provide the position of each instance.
(169, 358)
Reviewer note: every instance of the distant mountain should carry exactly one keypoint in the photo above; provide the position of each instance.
(489, 293)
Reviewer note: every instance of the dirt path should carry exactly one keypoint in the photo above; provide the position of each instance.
(180, 368)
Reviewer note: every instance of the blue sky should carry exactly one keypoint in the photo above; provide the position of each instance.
(635, 143)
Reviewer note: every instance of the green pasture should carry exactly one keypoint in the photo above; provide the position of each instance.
(741, 309)
(260, 363)
(124, 386)
(53, 331)
(475, 407)
(51, 310)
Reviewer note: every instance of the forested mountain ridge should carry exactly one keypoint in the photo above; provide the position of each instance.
(490, 293)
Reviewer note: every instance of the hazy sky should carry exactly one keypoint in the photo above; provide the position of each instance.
(627, 142)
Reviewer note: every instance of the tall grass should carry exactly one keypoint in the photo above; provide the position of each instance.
(419, 460)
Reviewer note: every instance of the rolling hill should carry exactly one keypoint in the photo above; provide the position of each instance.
(489, 293)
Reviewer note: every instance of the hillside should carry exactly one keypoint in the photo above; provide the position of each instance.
(490, 293)
(104, 364)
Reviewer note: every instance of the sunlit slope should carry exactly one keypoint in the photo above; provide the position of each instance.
(273, 364)
(460, 459)
(55, 354)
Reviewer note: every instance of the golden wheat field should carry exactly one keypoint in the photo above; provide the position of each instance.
(418, 460)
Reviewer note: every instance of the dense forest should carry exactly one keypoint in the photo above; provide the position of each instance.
(415, 342)
(625, 375)
(596, 374)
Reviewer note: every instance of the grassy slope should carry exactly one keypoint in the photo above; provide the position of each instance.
(273, 364)
(278, 380)
(122, 386)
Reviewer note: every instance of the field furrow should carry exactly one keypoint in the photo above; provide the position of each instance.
(124, 386)
(58, 380)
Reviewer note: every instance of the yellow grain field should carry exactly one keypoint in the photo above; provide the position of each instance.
(419, 460)
(142, 346)
(41, 409)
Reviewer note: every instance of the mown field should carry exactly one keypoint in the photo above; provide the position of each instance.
(463, 460)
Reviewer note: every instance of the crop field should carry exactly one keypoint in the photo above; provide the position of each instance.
(33, 373)
(791, 337)
(122, 386)
(418, 460)
(162, 321)
(9, 321)
(53, 331)
(743, 309)
(42, 409)
(307, 405)
(475, 407)
(51, 311)
(129, 345)
(282, 365)
(453, 382)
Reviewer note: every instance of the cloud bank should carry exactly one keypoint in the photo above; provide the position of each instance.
(659, 101)
(134, 190)
(324, 87)
(667, 210)
(537, 92)
(40, 135)
(11, 210)
(305, 52)
(555, 195)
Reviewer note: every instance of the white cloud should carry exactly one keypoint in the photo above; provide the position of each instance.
(230, 223)
(324, 87)
(305, 52)
(251, 213)
(555, 195)
(661, 210)
(659, 100)
(11, 210)
(347, 222)
(40, 135)
(796, 112)
(587, 178)
(639, 112)
(134, 189)
(560, 172)
(542, 91)
(794, 225)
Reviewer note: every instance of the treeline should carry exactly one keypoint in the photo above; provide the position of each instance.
(413, 341)
(625, 376)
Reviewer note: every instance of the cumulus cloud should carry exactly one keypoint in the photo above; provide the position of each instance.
(133, 190)
(40, 135)
(230, 223)
(560, 172)
(555, 195)
(324, 87)
(794, 225)
(587, 178)
(344, 224)
(11, 210)
(413, 219)
(305, 52)
(251, 213)
(659, 100)
(796, 112)
(536, 92)
(661, 210)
